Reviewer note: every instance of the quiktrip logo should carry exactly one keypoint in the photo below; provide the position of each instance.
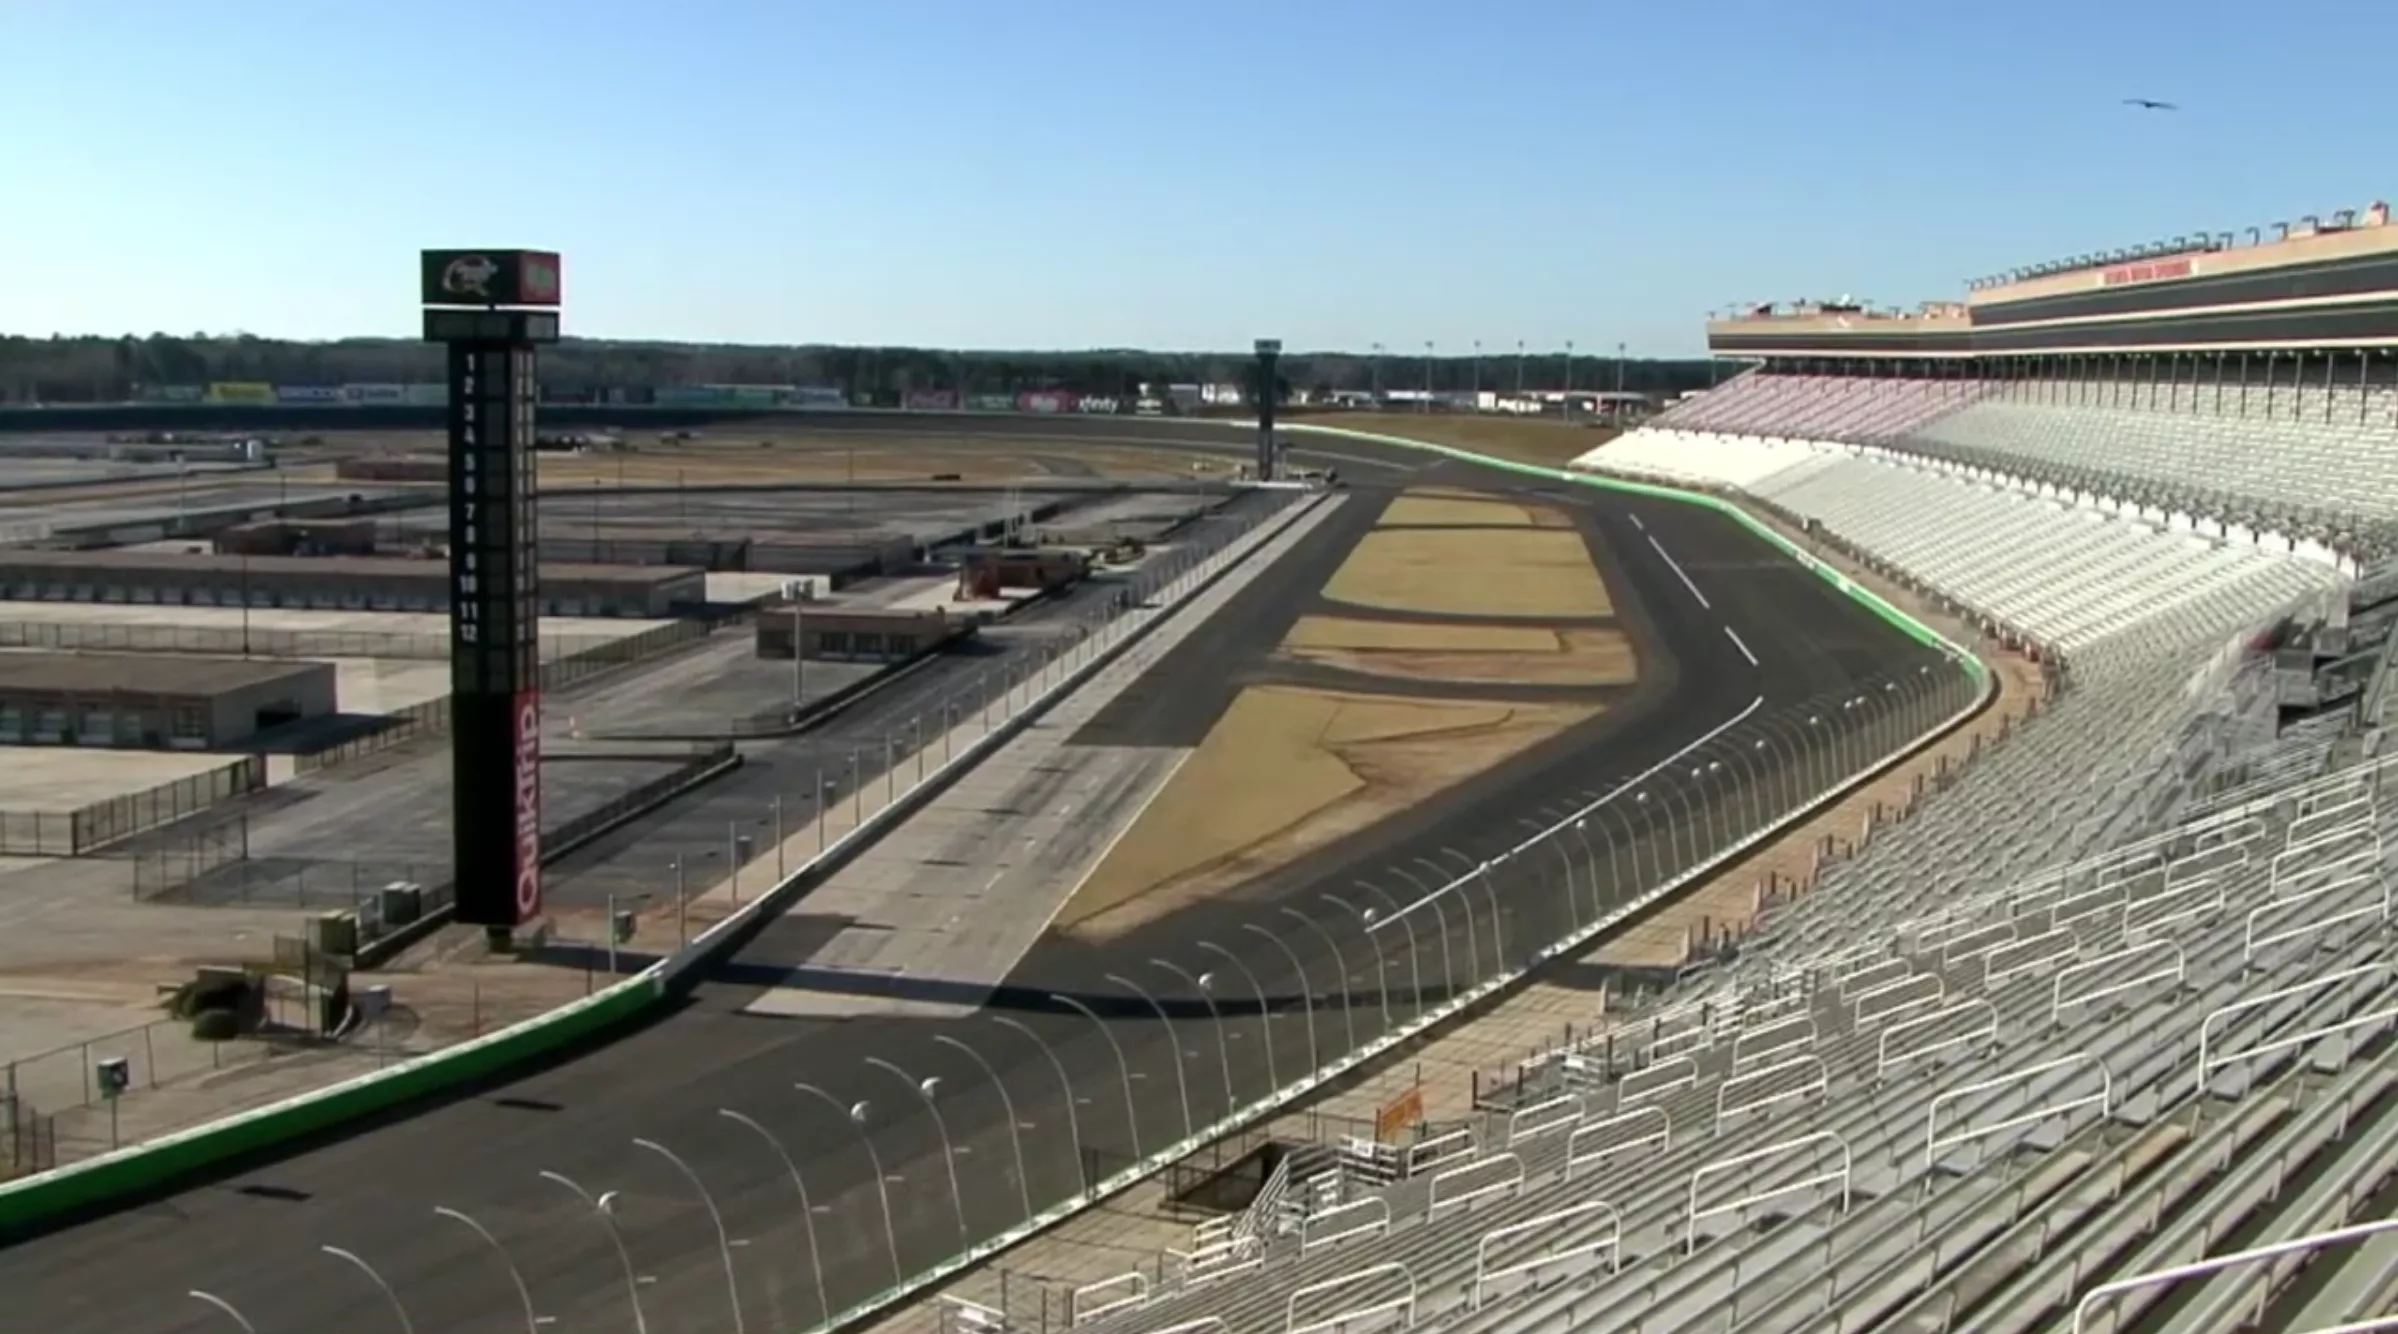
(528, 805)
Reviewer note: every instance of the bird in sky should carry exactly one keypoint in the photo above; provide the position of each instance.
(2147, 104)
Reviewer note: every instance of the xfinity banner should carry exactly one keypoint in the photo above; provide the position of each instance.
(377, 393)
(1092, 403)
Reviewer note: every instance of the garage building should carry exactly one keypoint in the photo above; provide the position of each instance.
(155, 701)
(858, 634)
(332, 583)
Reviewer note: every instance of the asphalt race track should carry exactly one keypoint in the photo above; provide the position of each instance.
(1719, 732)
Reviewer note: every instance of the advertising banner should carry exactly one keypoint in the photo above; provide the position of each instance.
(527, 739)
(754, 395)
(817, 398)
(425, 395)
(239, 391)
(1048, 400)
(992, 402)
(374, 393)
(1093, 403)
(932, 400)
(307, 393)
(172, 393)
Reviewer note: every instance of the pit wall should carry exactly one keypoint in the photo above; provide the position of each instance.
(145, 1169)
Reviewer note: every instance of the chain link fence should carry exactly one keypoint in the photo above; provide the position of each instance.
(257, 642)
(74, 833)
(28, 1139)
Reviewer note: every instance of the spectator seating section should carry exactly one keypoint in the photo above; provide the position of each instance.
(2027, 1082)
(2069, 576)
(1861, 410)
(2312, 460)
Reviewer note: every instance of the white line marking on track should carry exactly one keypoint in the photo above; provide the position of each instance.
(1681, 574)
(1618, 790)
(1637, 523)
(1738, 643)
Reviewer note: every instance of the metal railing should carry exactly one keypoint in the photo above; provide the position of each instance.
(77, 832)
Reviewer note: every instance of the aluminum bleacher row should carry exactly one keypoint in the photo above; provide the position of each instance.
(1971, 1116)
(2318, 461)
(2075, 575)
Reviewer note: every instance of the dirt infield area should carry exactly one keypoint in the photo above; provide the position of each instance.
(1450, 654)
(1287, 770)
(829, 458)
(1524, 439)
(1293, 766)
(1470, 572)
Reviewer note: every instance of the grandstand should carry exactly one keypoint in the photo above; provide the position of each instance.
(2099, 1041)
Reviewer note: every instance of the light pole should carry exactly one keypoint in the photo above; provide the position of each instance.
(1082, 1173)
(923, 1088)
(1265, 1025)
(1519, 368)
(1415, 956)
(604, 1207)
(1204, 984)
(1427, 375)
(855, 1114)
(515, 1275)
(1590, 864)
(724, 1240)
(358, 1262)
(807, 1211)
(1015, 1128)
(1132, 1120)
(225, 1306)
(1182, 1081)
(1348, 1005)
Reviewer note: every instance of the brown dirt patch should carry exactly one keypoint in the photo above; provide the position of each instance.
(1344, 632)
(1288, 770)
(1524, 439)
(1418, 511)
(1573, 658)
(1472, 572)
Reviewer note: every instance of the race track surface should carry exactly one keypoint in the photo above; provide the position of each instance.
(1682, 577)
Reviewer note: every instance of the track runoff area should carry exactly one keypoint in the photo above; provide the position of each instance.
(1295, 822)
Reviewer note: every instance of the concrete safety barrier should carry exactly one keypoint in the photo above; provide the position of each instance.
(92, 1184)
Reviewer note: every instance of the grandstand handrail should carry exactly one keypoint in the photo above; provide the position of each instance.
(1386, 1269)
(1610, 1241)
(1846, 1176)
(2114, 1288)
(1934, 1141)
(2209, 1064)
(1134, 1279)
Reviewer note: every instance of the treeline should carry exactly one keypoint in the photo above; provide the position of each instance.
(108, 370)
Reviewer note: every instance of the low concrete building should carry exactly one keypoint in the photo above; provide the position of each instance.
(858, 634)
(153, 701)
(297, 537)
(987, 570)
(332, 583)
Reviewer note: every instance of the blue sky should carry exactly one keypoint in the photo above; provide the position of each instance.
(1080, 173)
